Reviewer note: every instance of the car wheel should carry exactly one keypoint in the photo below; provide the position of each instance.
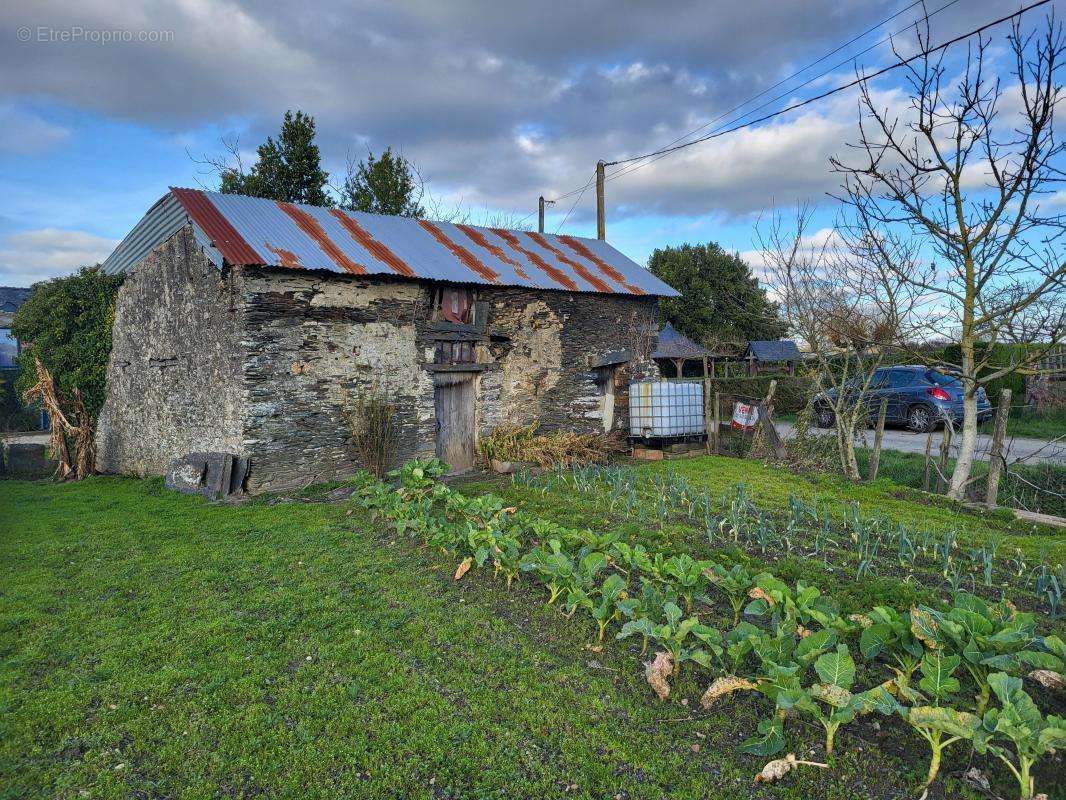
(920, 419)
(824, 417)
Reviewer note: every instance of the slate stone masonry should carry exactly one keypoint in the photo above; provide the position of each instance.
(260, 363)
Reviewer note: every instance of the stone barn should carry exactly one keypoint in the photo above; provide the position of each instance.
(250, 327)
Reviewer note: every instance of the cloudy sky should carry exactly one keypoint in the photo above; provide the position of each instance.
(103, 103)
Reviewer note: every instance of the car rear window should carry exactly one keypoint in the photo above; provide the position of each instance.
(940, 379)
(901, 377)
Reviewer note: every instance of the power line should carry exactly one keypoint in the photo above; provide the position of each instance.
(651, 160)
(800, 71)
(581, 189)
(841, 88)
(578, 200)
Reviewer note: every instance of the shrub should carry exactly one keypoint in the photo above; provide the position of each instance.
(14, 416)
(371, 419)
(792, 394)
(66, 323)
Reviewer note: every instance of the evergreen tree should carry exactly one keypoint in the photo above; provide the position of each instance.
(385, 185)
(66, 323)
(288, 169)
(720, 299)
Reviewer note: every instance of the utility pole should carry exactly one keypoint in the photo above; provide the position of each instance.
(541, 205)
(601, 217)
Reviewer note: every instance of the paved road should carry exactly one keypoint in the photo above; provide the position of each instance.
(1031, 450)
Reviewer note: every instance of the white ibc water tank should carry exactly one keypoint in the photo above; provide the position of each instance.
(661, 409)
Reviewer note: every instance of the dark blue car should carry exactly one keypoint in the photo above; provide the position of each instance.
(918, 397)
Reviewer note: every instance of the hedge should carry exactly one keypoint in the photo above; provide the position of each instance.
(1001, 356)
(793, 391)
(14, 416)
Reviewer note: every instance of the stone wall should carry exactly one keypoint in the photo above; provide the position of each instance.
(263, 362)
(174, 374)
(543, 343)
(315, 340)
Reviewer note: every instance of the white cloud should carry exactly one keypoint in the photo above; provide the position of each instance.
(36, 255)
(451, 83)
(25, 133)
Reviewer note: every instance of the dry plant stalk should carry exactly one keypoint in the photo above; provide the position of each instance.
(523, 443)
(81, 432)
(371, 419)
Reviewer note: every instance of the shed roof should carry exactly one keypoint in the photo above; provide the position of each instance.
(241, 230)
(11, 297)
(779, 350)
(674, 344)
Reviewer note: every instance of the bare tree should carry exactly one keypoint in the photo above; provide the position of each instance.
(962, 176)
(846, 316)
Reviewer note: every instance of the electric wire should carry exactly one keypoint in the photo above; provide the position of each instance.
(843, 87)
(927, 16)
(795, 74)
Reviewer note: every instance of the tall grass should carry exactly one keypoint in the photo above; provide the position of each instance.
(1035, 487)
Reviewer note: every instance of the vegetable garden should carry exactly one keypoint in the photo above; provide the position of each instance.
(952, 672)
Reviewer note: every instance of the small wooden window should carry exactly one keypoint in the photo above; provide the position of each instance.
(453, 304)
(454, 353)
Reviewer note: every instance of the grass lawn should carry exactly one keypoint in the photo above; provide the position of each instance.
(155, 645)
(1026, 422)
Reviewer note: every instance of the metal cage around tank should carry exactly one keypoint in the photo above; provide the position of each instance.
(666, 410)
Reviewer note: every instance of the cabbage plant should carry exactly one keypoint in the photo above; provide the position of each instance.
(1018, 725)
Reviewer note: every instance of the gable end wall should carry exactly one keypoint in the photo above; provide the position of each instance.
(174, 383)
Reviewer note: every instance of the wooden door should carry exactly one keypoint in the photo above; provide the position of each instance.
(454, 400)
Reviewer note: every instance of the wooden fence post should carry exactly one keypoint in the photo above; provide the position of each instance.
(928, 465)
(767, 424)
(706, 406)
(995, 457)
(717, 421)
(875, 456)
(942, 463)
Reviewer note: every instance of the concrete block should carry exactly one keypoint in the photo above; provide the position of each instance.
(27, 460)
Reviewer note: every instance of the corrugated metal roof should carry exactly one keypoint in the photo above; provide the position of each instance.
(256, 231)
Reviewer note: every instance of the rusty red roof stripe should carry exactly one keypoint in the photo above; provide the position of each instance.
(554, 273)
(312, 228)
(478, 238)
(372, 245)
(580, 269)
(582, 250)
(287, 257)
(468, 259)
(217, 228)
